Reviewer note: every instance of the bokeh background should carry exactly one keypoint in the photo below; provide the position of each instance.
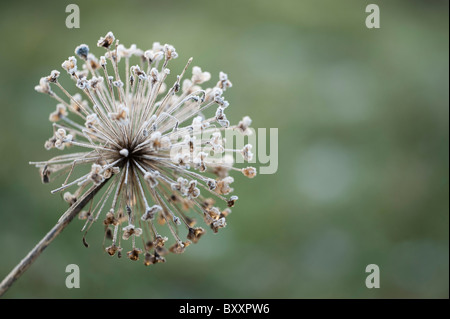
(363, 148)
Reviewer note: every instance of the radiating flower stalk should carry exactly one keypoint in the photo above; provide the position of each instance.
(163, 163)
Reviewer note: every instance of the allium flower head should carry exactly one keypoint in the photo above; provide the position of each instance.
(147, 143)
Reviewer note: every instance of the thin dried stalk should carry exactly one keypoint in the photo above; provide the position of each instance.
(66, 218)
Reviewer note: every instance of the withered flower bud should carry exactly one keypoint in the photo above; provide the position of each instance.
(145, 148)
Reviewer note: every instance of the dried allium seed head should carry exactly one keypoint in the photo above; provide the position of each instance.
(70, 65)
(150, 212)
(44, 86)
(220, 223)
(96, 174)
(224, 83)
(250, 172)
(127, 53)
(93, 62)
(134, 254)
(69, 198)
(179, 247)
(151, 150)
(208, 203)
(212, 214)
(121, 115)
(84, 214)
(244, 125)
(232, 201)
(159, 241)
(169, 52)
(130, 230)
(247, 152)
(60, 112)
(199, 77)
(111, 250)
(82, 51)
(225, 212)
(110, 219)
(211, 184)
(106, 41)
(195, 234)
(53, 77)
(152, 178)
(153, 259)
(223, 185)
(95, 82)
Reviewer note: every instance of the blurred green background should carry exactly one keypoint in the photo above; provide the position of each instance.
(363, 148)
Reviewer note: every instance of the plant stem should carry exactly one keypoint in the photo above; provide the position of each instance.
(65, 219)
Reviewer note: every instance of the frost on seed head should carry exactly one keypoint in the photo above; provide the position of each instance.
(200, 161)
(221, 117)
(219, 99)
(82, 51)
(53, 77)
(157, 141)
(127, 53)
(179, 247)
(232, 201)
(244, 125)
(216, 143)
(150, 212)
(59, 140)
(193, 191)
(152, 178)
(169, 52)
(106, 41)
(153, 56)
(250, 172)
(95, 175)
(44, 86)
(91, 121)
(131, 230)
(70, 65)
(95, 82)
(199, 77)
(223, 185)
(224, 83)
(247, 152)
(198, 124)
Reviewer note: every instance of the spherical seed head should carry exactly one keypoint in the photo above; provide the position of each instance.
(147, 143)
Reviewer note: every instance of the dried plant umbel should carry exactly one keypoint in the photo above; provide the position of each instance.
(148, 142)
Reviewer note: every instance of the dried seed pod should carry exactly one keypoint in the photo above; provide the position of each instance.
(148, 141)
